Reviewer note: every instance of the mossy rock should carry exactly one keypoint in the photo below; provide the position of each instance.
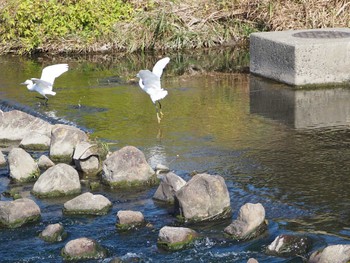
(226, 213)
(135, 183)
(178, 245)
(61, 158)
(21, 222)
(56, 193)
(31, 178)
(261, 229)
(103, 211)
(128, 227)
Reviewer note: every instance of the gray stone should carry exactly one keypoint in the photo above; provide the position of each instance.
(289, 245)
(162, 169)
(252, 260)
(15, 125)
(127, 219)
(170, 183)
(18, 212)
(59, 180)
(175, 238)
(83, 249)
(64, 139)
(86, 158)
(35, 141)
(204, 197)
(331, 254)
(44, 162)
(22, 166)
(313, 59)
(249, 224)
(53, 233)
(2, 159)
(127, 167)
(87, 203)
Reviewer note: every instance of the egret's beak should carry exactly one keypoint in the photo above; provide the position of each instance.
(23, 83)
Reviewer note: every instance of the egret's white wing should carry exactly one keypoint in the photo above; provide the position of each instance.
(51, 72)
(159, 66)
(44, 85)
(150, 81)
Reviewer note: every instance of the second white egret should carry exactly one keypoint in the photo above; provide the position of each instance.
(150, 83)
(44, 85)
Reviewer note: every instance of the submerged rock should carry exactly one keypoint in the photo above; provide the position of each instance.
(127, 167)
(87, 203)
(22, 166)
(127, 219)
(334, 253)
(204, 197)
(18, 212)
(289, 245)
(15, 125)
(2, 159)
(59, 180)
(175, 238)
(86, 158)
(83, 249)
(170, 183)
(35, 141)
(64, 139)
(53, 233)
(44, 162)
(249, 224)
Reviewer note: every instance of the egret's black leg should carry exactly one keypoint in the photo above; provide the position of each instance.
(160, 109)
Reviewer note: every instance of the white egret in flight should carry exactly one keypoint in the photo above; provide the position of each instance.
(44, 85)
(150, 83)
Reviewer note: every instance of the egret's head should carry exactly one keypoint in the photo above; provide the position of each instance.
(29, 83)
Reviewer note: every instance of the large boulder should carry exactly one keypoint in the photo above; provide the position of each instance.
(87, 203)
(64, 139)
(127, 219)
(35, 141)
(204, 197)
(175, 238)
(334, 253)
(127, 167)
(170, 183)
(59, 180)
(86, 158)
(15, 125)
(18, 212)
(289, 245)
(23, 168)
(249, 224)
(83, 249)
(53, 233)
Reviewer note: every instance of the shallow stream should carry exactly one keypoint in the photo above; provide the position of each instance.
(287, 149)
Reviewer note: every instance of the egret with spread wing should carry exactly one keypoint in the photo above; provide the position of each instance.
(44, 85)
(150, 83)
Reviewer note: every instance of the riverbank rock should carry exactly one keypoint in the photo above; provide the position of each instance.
(35, 141)
(89, 204)
(175, 238)
(86, 158)
(127, 167)
(2, 160)
(204, 197)
(53, 233)
(15, 125)
(22, 166)
(64, 139)
(127, 219)
(289, 246)
(83, 249)
(44, 162)
(59, 180)
(334, 253)
(170, 183)
(18, 212)
(249, 224)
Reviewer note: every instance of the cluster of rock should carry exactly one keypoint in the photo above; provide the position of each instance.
(203, 198)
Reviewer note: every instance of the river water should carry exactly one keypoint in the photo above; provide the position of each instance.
(285, 148)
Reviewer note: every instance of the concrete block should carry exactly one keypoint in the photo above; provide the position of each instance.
(300, 108)
(302, 57)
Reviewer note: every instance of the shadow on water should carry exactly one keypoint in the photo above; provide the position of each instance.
(285, 148)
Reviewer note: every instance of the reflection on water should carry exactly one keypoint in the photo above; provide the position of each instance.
(272, 145)
(301, 109)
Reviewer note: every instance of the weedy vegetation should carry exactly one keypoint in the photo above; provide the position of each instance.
(86, 26)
